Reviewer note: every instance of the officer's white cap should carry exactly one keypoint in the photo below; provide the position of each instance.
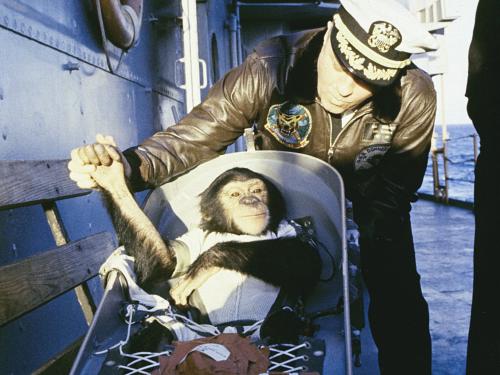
(375, 38)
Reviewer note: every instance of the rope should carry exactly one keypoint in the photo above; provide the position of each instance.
(142, 357)
(253, 327)
(287, 353)
(460, 179)
(105, 41)
(139, 356)
(191, 324)
(120, 344)
(460, 161)
(150, 363)
(462, 137)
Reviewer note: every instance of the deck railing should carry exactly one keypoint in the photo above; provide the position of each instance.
(441, 185)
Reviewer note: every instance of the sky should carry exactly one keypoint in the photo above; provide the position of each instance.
(454, 50)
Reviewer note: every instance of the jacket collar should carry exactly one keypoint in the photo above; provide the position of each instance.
(301, 78)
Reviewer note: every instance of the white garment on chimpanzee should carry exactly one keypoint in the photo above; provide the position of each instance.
(229, 295)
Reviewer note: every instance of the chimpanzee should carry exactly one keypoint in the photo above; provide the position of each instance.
(242, 216)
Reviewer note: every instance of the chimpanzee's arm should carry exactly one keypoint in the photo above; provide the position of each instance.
(288, 263)
(154, 259)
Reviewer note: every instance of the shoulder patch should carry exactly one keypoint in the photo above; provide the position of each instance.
(290, 124)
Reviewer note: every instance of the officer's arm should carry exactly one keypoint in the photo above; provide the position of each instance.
(387, 194)
(230, 107)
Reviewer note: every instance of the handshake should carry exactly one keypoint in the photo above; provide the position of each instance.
(100, 165)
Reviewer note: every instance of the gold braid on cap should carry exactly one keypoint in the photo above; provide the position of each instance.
(356, 62)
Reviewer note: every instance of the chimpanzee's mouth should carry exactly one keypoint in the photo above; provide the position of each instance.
(255, 215)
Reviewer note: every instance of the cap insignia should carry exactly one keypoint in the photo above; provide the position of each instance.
(383, 36)
(365, 59)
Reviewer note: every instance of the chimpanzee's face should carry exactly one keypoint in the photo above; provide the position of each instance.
(240, 201)
(247, 204)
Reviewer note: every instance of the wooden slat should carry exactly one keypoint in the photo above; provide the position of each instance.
(61, 237)
(24, 182)
(62, 362)
(31, 282)
(55, 222)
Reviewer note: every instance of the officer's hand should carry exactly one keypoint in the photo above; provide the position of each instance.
(85, 159)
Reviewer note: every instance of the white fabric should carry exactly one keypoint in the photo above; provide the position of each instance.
(151, 303)
(198, 240)
(183, 328)
(415, 38)
(229, 295)
(347, 116)
(124, 263)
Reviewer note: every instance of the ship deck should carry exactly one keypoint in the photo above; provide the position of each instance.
(444, 237)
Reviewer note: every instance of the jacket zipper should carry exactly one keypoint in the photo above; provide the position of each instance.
(333, 142)
(330, 148)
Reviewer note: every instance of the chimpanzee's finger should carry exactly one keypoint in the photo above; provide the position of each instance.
(178, 293)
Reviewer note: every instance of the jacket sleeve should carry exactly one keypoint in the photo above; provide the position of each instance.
(230, 107)
(386, 195)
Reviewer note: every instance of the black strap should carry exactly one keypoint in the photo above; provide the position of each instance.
(106, 43)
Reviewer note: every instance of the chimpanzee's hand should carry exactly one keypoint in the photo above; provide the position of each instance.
(84, 160)
(111, 178)
(182, 290)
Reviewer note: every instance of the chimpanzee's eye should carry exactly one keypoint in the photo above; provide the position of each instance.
(257, 191)
(235, 194)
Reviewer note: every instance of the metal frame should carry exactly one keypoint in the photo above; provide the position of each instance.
(170, 207)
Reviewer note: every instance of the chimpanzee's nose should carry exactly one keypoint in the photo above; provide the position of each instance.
(249, 200)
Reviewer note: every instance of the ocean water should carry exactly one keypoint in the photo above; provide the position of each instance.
(460, 156)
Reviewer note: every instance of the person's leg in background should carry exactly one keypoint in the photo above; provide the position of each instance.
(398, 312)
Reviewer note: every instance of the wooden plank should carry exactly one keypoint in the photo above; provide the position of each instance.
(31, 282)
(24, 182)
(61, 363)
(55, 222)
(61, 237)
(86, 302)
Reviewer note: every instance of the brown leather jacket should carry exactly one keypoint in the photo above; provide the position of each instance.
(381, 161)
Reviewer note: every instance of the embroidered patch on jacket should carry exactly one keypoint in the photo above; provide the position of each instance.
(379, 133)
(370, 156)
(289, 124)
